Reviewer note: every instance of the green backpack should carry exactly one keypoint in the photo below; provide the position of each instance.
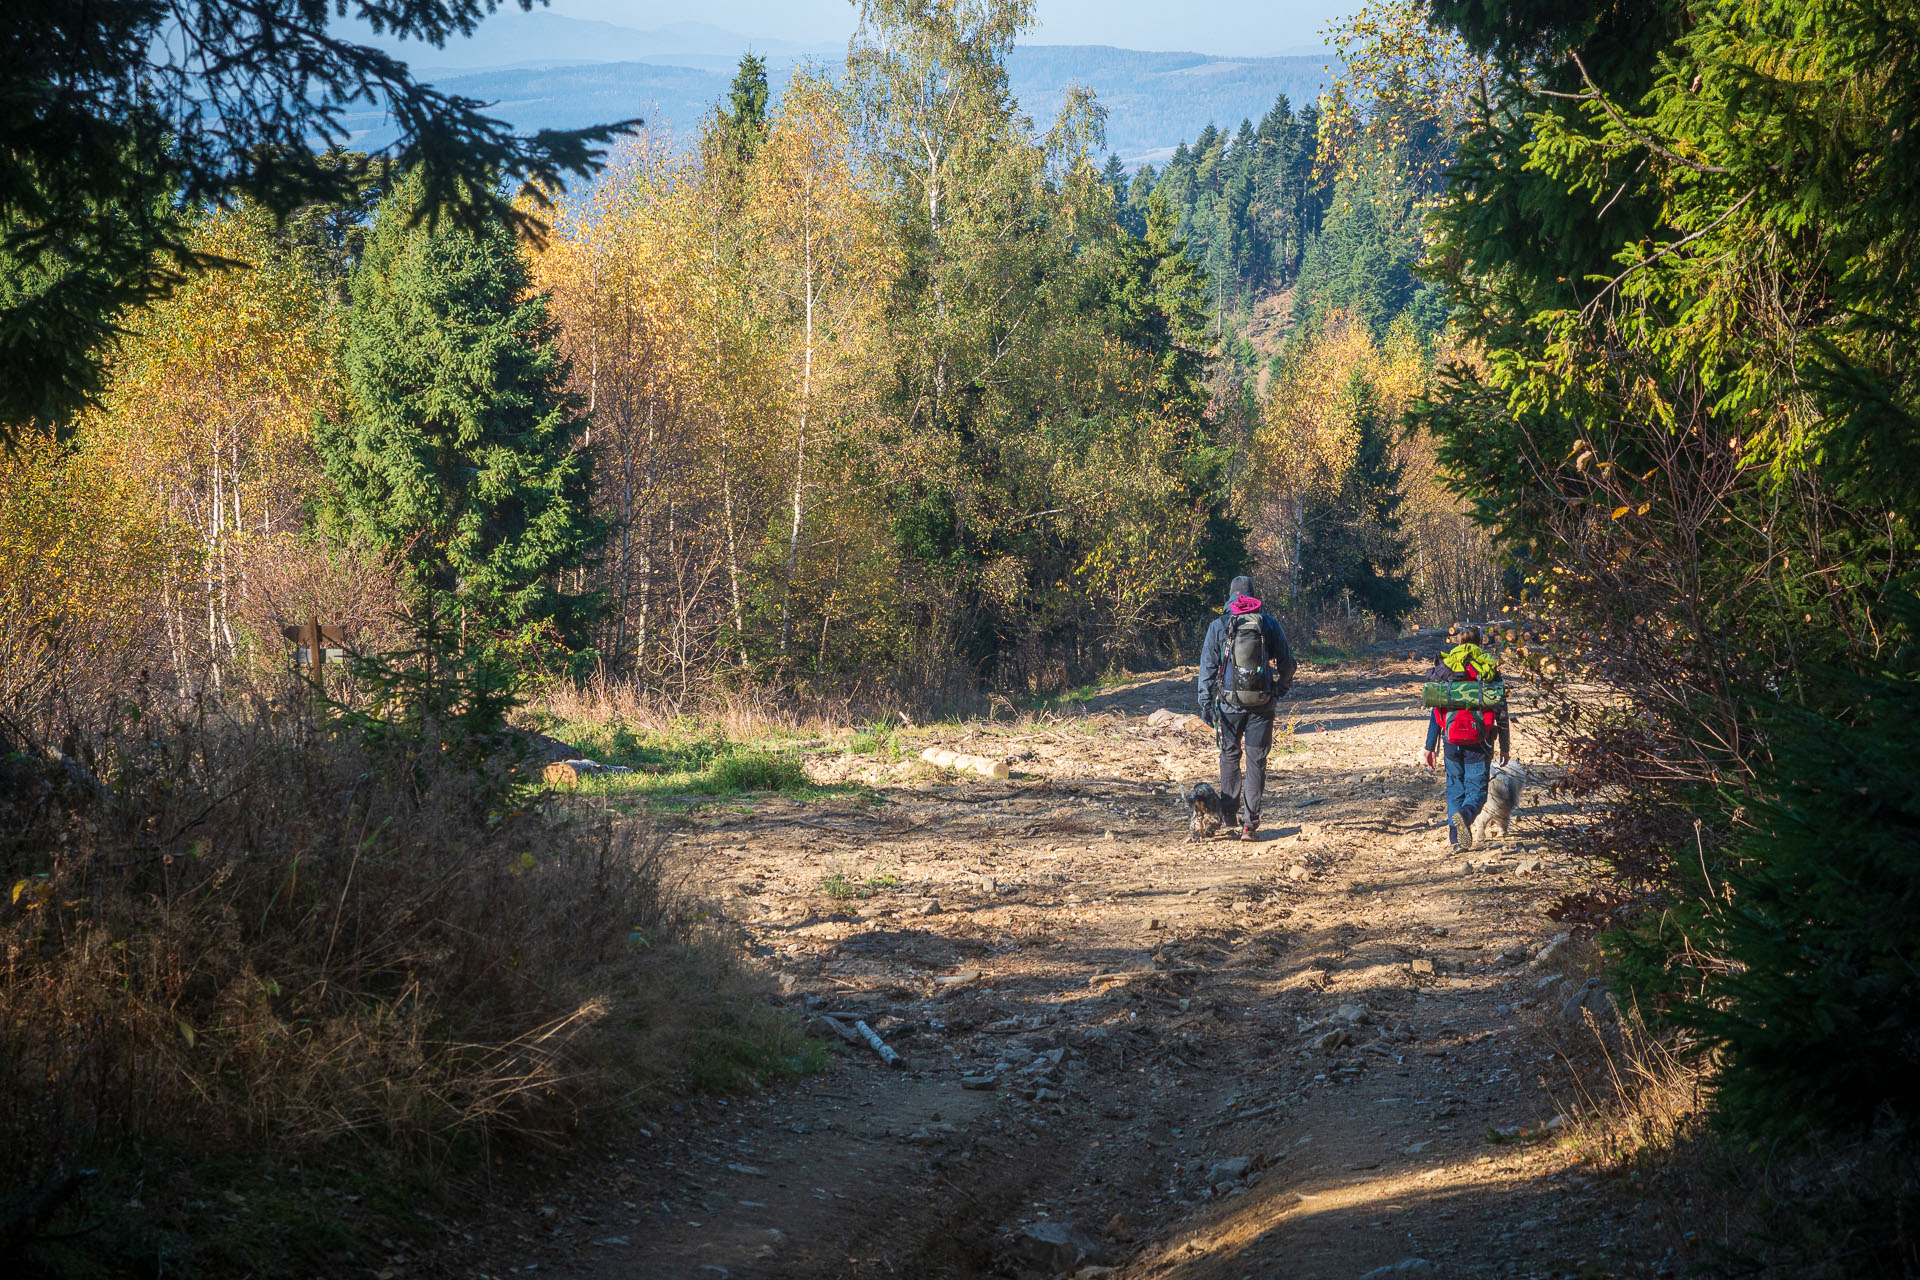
(1485, 691)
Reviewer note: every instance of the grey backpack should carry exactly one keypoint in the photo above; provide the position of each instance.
(1245, 681)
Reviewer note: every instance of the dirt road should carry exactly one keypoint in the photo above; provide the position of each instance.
(1324, 1055)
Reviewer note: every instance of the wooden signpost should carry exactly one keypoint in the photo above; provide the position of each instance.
(316, 646)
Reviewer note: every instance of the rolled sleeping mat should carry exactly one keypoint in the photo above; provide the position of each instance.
(1465, 695)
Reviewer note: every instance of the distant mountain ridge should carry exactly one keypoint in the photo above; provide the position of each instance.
(1154, 100)
(511, 39)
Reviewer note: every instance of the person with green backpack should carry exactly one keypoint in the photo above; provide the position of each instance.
(1468, 698)
(1246, 666)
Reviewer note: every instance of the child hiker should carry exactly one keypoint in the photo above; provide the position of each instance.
(1466, 736)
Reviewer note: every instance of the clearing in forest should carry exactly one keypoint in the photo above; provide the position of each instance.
(1323, 1054)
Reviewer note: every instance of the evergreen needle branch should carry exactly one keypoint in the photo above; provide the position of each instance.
(1594, 95)
(1665, 250)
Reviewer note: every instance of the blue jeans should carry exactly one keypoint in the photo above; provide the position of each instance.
(1469, 767)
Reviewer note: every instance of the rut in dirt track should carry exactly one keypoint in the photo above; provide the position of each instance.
(1127, 1050)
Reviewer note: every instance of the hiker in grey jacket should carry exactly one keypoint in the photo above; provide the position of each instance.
(1237, 698)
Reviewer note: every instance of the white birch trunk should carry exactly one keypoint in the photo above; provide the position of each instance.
(215, 509)
(800, 436)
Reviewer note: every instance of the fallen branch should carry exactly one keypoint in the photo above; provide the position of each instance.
(22, 1215)
(879, 1046)
(824, 1025)
(1127, 975)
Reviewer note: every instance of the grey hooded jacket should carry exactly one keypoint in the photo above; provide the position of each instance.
(1279, 655)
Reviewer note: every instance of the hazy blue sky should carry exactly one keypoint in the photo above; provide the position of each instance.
(1247, 27)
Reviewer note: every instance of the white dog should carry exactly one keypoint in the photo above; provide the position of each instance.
(1503, 797)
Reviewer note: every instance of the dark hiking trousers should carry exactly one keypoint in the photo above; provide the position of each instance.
(1251, 732)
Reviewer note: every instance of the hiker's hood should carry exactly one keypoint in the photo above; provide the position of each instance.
(1240, 586)
(1243, 604)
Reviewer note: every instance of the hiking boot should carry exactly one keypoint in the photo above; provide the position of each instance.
(1246, 832)
(1462, 833)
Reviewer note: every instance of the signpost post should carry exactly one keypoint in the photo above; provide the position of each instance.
(315, 646)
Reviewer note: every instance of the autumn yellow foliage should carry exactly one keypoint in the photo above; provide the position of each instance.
(1305, 445)
(84, 555)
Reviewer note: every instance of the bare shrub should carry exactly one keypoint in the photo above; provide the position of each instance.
(292, 578)
(250, 931)
(1338, 625)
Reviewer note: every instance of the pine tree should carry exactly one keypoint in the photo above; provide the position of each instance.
(457, 454)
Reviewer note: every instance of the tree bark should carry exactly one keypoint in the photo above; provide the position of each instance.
(800, 435)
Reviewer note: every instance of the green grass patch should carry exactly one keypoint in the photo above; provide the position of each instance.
(751, 771)
(759, 1045)
(878, 739)
(729, 1039)
(1316, 653)
(672, 766)
(845, 888)
(608, 741)
(736, 771)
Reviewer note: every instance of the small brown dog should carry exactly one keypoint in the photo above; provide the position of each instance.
(1203, 806)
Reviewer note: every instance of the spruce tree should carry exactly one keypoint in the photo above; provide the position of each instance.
(1139, 191)
(1245, 202)
(1819, 1015)
(741, 121)
(458, 454)
(1695, 421)
(1357, 545)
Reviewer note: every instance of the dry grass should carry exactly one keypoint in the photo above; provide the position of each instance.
(1635, 1093)
(1819, 1206)
(232, 938)
(758, 714)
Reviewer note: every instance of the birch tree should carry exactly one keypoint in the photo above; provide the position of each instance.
(932, 87)
(826, 261)
(211, 402)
